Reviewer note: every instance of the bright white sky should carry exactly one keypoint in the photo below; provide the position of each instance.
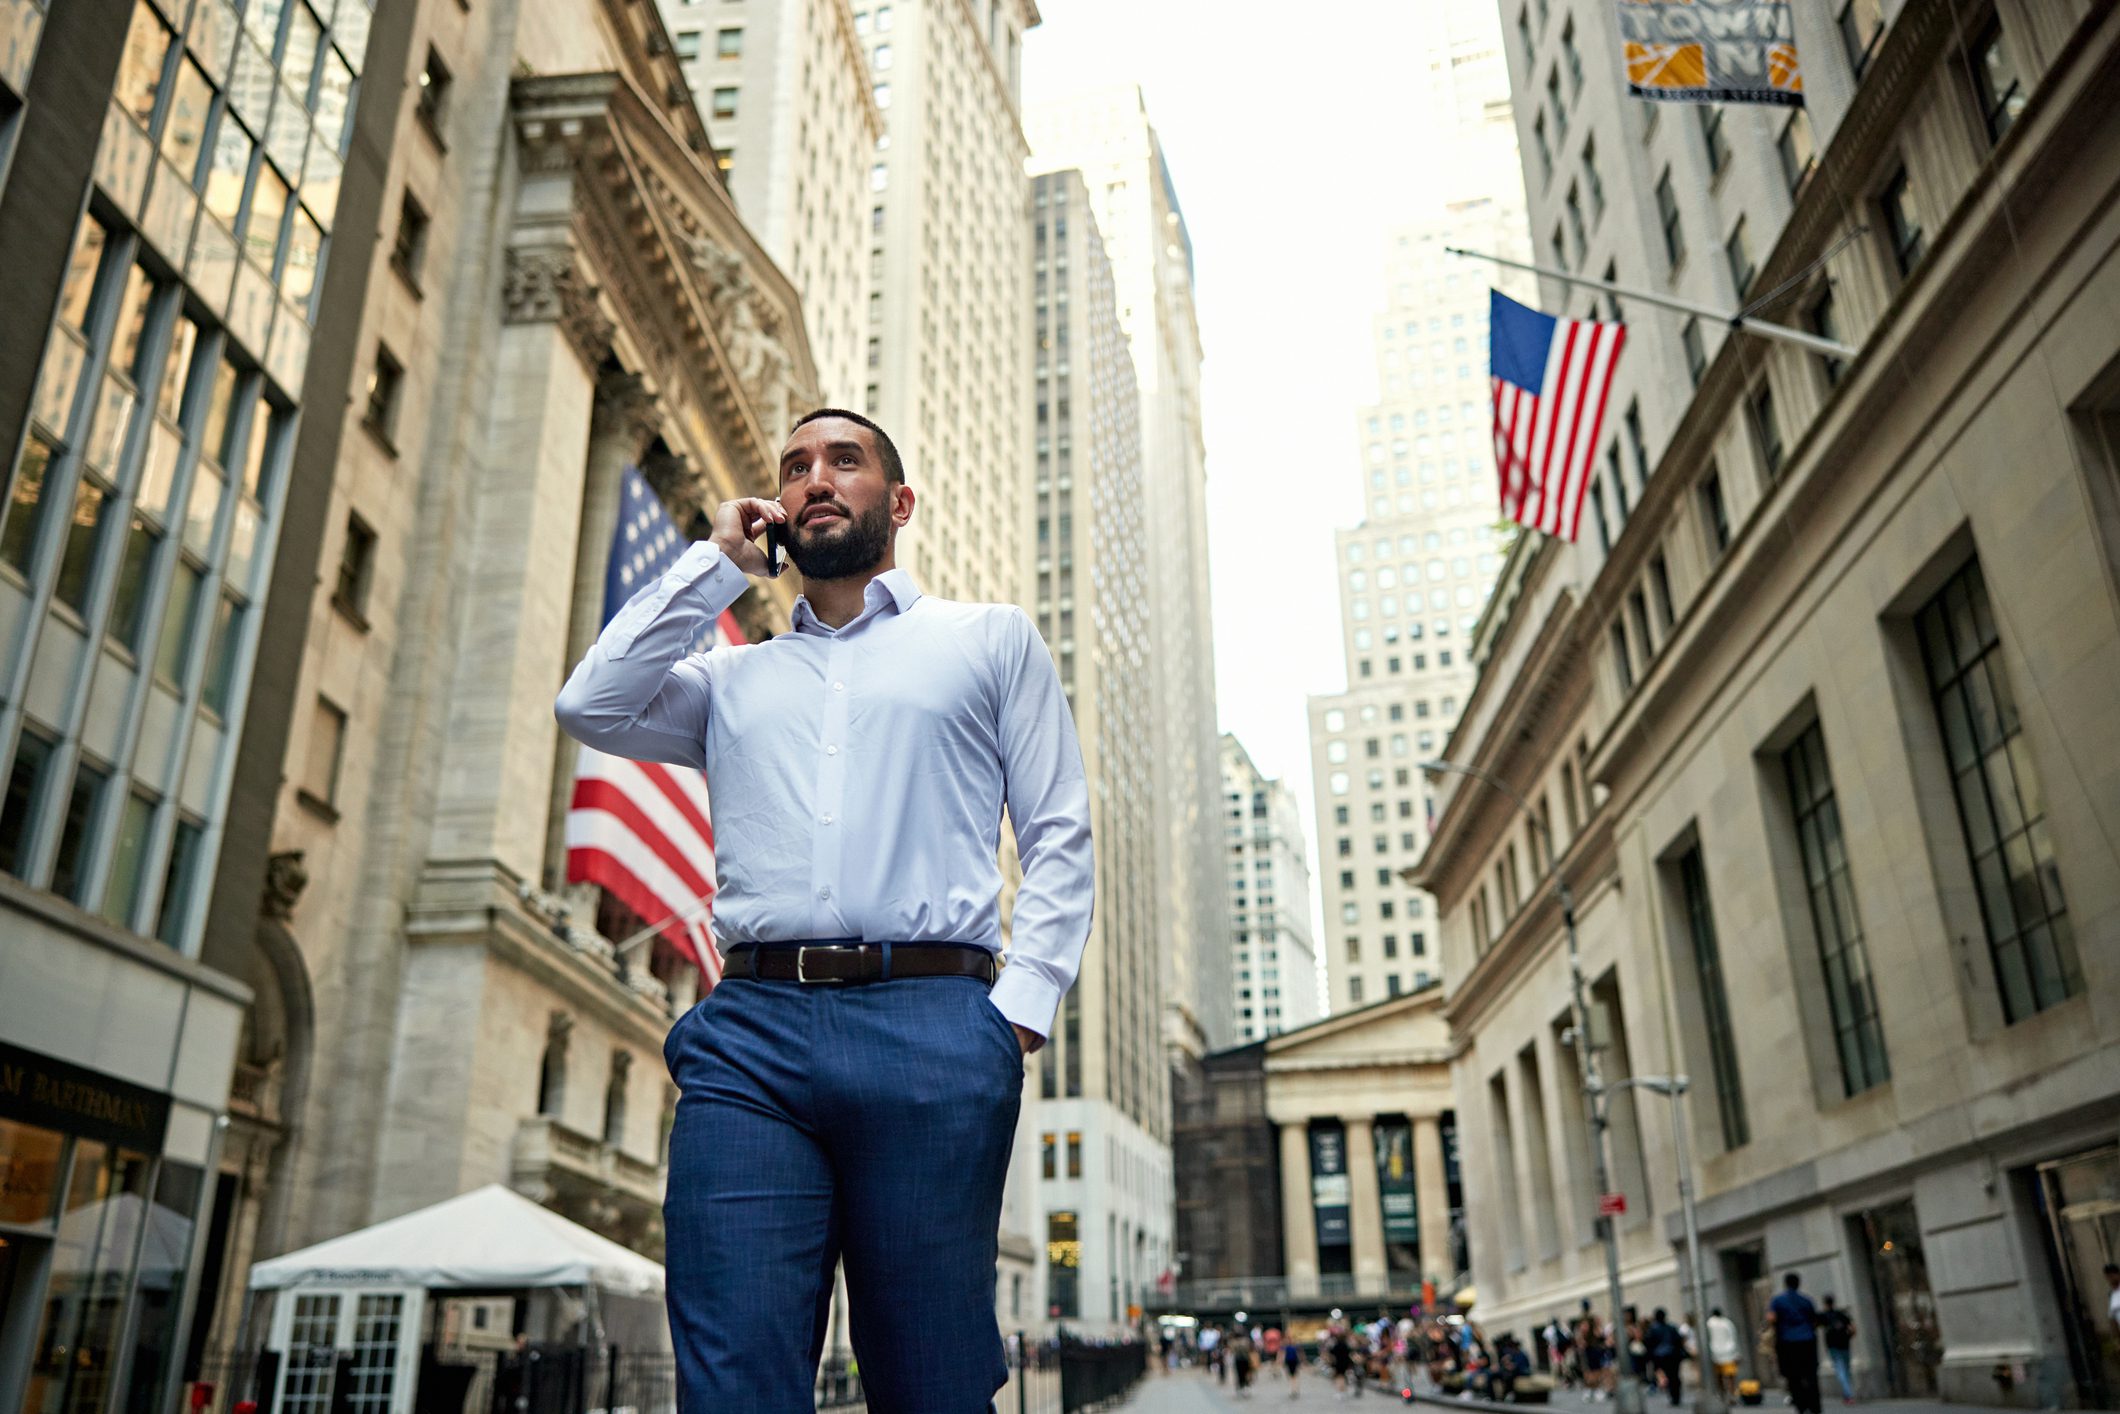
(1290, 136)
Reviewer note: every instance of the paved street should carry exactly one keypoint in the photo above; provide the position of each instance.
(1194, 1392)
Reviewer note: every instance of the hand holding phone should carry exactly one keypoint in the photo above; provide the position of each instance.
(737, 525)
(776, 548)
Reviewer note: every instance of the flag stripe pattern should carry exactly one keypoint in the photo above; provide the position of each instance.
(641, 830)
(1551, 378)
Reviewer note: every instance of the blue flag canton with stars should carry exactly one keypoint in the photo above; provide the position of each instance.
(645, 543)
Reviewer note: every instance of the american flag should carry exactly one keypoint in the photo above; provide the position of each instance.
(1551, 377)
(638, 829)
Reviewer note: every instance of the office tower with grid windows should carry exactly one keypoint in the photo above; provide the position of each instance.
(1103, 1116)
(946, 361)
(785, 89)
(1279, 977)
(1414, 576)
(1105, 134)
(170, 179)
(1817, 716)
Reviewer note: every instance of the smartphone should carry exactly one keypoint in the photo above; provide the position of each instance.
(776, 548)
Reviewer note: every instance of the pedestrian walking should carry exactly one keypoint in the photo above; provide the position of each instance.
(1292, 1362)
(1242, 1356)
(1723, 1352)
(1340, 1350)
(1838, 1327)
(849, 1091)
(1667, 1351)
(1795, 1323)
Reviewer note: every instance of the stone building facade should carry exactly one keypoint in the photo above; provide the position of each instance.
(562, 288)
(1818, 730)
(1346, 1126)
(785, 89)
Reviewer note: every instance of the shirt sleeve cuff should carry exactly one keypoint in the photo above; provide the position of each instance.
(715, 574)
(1027, 1000)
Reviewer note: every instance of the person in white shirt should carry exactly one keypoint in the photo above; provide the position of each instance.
(849, 1091)
(1723, 1351)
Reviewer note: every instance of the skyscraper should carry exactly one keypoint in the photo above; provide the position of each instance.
(1106, 135)
(1279, 976)
(794, 115)
(1103, 1120)
(947, 362)
(1414, 574)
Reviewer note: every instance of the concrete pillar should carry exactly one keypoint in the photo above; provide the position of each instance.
(623, 420)
(495, 790)
(1299, 1225)
(1365, 1204)
(1431, 1187)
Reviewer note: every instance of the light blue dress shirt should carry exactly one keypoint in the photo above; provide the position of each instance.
(858, 774)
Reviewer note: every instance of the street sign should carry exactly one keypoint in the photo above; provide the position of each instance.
(1611, 1205)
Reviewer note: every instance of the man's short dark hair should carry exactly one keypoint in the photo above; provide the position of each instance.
(886, 449)
(1792, 1281)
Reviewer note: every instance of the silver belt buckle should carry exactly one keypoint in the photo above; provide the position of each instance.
(802, 973)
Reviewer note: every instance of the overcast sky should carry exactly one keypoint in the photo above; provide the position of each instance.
(1289, 135)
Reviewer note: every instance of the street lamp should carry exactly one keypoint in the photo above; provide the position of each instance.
(1674, 1087)
(1629, 1393)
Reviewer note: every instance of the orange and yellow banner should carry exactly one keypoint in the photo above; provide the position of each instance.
(1711, 51)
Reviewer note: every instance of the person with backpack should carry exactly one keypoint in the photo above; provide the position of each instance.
(1838, 1327)
(1666, 1351)
(1795, 1324)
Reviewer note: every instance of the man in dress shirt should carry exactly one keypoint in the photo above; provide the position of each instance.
(849, 1091)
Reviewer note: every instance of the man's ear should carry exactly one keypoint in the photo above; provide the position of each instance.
(901, 504)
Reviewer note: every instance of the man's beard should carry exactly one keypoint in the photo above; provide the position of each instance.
(849, 548)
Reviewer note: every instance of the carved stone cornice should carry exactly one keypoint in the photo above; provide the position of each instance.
(545, 284)
(626, 405)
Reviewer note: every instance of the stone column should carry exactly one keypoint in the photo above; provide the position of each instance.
(1365, 1204)
(623, 420)
(495, 788)
(1431, 1187)
(1299, 1225)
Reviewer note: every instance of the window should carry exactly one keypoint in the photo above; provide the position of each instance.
(19, 535)
(1594, 184)
(81, 803)
(32, 755)
(1667, 214)
(686, 44)
(1860, 25)
(1902, 222)
(2001, 808)
(1049, 1155)
(1632, 422)
(1063, 1264)
(1714, 515)
(1851, 994)
(1575, 221)
(1825, 322)
(1798, 153)
(411, 248)
(1074, 1153)
(1766, 428)
(433, 109)
(1638, 609)
(1696, 352)
(1354, 991)
(1545, 148)
(1523, 34)
(1571, 56)
(883, 61)
(356, 569)
(1738, 251)
(1714, 1000)
(1711, 132)
(724, 102)
(1995, 80)
(728, 43)
(1622, 660)
(385, 382)
(1597, 508)
(1560, 111)
(1660, 587)
(327, 746)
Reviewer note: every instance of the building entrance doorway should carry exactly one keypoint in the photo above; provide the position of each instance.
(1906, 1307)
(1745, 1278)
(2079, 1197)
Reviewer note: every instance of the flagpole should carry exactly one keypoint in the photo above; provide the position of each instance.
(684, 914)
(1831, 348)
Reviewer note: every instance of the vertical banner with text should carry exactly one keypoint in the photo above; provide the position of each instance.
(1711, 51)
(1329, 1186)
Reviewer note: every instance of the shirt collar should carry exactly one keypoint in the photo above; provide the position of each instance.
(893, 585)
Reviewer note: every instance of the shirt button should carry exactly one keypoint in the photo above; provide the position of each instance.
(824, 819)
(825, 895)
(831, 751)
(839, 687)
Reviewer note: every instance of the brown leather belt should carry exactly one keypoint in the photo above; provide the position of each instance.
(850, 964)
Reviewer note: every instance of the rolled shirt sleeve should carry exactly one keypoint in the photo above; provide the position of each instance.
(1047, 793)
(641, 691)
